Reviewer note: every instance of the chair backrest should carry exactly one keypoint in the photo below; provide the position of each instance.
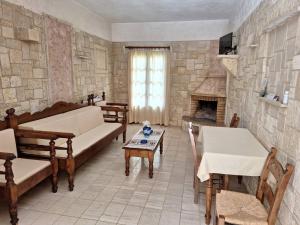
(235, 120)
(265, 191)
(8, 142)
(194, 150)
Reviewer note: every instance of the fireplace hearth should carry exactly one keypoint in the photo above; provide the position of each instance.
(206, 110)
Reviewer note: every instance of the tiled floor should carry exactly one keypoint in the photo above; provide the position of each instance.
(103, 195)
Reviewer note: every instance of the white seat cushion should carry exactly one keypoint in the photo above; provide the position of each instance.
(83, 141)
(89, 138)
(8, 142)
(23, 169)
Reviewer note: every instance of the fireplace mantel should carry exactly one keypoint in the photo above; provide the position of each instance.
(230, 63)
(207, 95)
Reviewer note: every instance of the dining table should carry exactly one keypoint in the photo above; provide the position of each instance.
(228, 151)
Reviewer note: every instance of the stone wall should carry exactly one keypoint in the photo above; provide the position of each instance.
(24, 79)
(24, 83)
(271, 59)
(193, 66)
(87, 77)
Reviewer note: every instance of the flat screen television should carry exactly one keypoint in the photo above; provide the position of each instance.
(225, 45)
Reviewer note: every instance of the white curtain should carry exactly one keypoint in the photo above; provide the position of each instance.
(149, 86)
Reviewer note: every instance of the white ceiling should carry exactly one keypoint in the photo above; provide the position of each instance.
(131, 11)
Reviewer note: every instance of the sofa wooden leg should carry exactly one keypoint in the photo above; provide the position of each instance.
(13, 209)
(221, 220)
(54, 165)
(71, 171)
(124, 136)
(12, 193)
(70, 165)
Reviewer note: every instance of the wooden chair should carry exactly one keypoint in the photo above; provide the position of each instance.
(245, 209)
(197, 159)
(234, 123)
(18, 175)
(197, 156)
(235, 120)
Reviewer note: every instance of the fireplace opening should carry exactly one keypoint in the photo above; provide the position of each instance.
(206, 110)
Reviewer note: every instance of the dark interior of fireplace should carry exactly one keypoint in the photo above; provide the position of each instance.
(206, 110)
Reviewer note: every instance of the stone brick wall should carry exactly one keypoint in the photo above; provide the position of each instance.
(23, 65)
(271, 59)
(194, 67)
(24, 80)
(87, 78)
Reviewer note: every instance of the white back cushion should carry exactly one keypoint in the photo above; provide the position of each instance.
(8, 142)
(59, 124)
(89, 119)
(76, 121)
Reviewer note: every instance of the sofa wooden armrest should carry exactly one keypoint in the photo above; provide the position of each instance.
(113, 108)
(112, 115)
(51, 135)
(7, 156)
(117, 104)
(35, 134)
(20, 174)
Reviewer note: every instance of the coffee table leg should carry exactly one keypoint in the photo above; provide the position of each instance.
(150, 158)
(209, 185)
(127, 160)
(161, 147)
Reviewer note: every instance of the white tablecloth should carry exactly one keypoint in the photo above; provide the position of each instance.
(231, 151)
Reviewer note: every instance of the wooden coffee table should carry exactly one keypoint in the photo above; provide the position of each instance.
(134, 148)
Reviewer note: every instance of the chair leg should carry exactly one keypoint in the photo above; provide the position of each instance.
(196, 190)
(194, 180)
(226, 182)
(221, 220)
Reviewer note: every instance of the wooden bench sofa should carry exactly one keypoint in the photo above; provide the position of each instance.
(81, 131)
(18, 175)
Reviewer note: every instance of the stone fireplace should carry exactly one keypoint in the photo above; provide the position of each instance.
(207, 109)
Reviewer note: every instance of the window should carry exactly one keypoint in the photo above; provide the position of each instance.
(148, 79)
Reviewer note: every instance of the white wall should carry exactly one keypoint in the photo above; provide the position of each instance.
(169, 31)
(70, 11)
(245, 9)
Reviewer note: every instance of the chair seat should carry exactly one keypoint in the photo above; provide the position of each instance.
(240, 208)
(23, 169)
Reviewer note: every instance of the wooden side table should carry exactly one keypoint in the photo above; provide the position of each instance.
(133, 148)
